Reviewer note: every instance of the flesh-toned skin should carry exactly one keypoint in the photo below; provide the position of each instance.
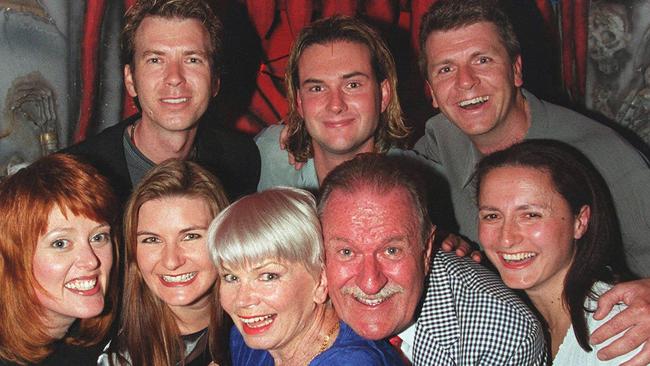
(72, 264)
(375, 260)
(475, 84)
(173, 257)
(340, 100)
(172, 78)
(278, 306)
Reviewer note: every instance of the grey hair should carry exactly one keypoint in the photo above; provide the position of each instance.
(279, 223)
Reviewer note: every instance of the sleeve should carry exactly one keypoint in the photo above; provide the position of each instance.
(275, 169)
(532, 350)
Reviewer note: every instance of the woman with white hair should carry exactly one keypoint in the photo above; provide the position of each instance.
(269, 252)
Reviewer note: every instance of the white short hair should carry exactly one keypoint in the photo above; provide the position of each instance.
(279, 223)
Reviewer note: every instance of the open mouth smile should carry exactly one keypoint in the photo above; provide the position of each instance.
(474, 102)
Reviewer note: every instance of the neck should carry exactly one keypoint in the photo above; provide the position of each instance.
(513, 129)
(551, 306)
(159, 145)
(325, 161)
(57, 326)
(193, 318)
(308, 344)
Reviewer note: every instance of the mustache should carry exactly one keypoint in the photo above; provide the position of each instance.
(385, 292)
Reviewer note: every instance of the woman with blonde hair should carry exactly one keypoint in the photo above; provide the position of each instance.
(56, 256)
(268, 248)
(170, 315)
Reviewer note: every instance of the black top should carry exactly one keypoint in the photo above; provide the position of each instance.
(230, 155)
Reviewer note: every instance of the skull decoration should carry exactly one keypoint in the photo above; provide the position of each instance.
(608, 34)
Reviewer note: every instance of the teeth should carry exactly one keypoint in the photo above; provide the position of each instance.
(175, 100)
(370, 302)
(180, 278)
(81, 285)
(518, 256)
(474, 101)
(258, 322)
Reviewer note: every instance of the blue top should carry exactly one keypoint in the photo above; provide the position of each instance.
(348, 349)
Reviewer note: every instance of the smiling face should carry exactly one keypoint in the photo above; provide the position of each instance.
(272, 303)
(473, 80)
(171, 75)
(72, 264)
(375, 262)
(527, 228)
(340, 98)
(172, 254)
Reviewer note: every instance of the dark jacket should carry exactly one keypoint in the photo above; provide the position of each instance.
(231, 156)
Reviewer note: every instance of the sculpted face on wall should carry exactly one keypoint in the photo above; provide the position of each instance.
(29, 127)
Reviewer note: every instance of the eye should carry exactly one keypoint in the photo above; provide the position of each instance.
(316, 88)
(192, 236)
(345, 252)
(269, 276)
(489, 217)
(354, 85)
(484, 60)
(393, 251)
(444, 70)
(150, 240)
(532, 215)
(153, 60)
(100, 238)
(60, 244)
(229, 278)
(195, 60)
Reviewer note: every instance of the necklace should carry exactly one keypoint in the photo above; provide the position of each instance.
(328, 337)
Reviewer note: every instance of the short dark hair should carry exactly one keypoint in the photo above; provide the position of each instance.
(172, 9)
(381, 174)
(391, 130)
(599, 254)
(445, 15)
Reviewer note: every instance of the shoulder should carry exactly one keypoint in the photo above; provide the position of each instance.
(104, 142)
(465, 303)
(351, 349)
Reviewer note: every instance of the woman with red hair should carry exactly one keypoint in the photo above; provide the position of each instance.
(56, 256)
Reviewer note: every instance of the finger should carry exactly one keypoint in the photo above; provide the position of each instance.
(606, 303)
(640, 359)
(477, 256)
(632, 339)
(617, 324)
(447, 245)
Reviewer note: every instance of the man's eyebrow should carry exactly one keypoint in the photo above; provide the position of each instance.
(354, 74)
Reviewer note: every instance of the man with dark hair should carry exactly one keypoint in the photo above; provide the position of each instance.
(378, 255)
(472, 63)
(172, 55)
(342, 91)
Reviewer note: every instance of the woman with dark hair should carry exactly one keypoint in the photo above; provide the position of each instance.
(170, 315)
(548, 224)
(56, 255)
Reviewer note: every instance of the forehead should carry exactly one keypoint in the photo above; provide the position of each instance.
(468, 38)
(335, 58)
(366, 215)
(518, 183)
(155, 31)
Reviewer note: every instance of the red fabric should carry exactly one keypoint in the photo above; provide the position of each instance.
(91, 33)
(581, 19)
(396, 342)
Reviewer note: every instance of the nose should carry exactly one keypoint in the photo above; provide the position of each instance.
(371, 279)
(174, 74)
(87, 258)
(510, 233)
(247, 295)
(172, 256)
(466, 77)
(336, 101)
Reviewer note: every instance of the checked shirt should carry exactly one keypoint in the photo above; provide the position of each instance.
(469, 317)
